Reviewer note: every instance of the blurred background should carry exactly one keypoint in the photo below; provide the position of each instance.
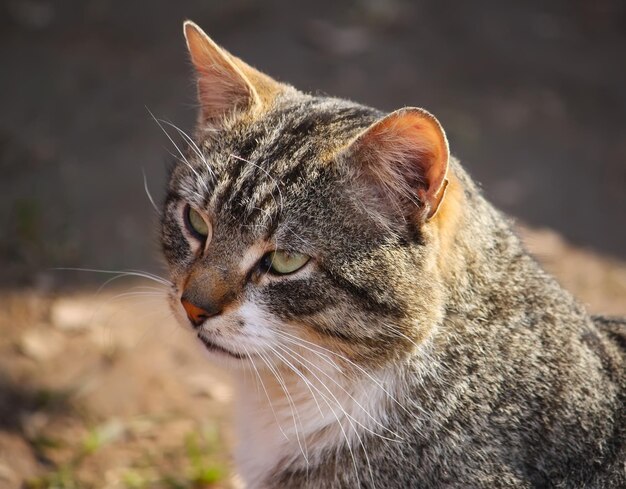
(100, 391)
(531, 94)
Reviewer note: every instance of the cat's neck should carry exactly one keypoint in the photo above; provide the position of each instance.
(293, 416)
(481, 260)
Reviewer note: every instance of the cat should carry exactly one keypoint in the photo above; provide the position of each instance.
(383, 323)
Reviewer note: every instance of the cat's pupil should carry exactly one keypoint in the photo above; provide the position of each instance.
(265, 265)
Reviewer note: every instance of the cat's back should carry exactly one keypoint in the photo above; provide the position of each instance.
(608, 342)
(611, 349)
(614, 328)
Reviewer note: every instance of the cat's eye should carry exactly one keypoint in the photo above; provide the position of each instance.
(282, 262)
(196, 224)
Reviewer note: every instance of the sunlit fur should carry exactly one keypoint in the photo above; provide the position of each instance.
(407, 352)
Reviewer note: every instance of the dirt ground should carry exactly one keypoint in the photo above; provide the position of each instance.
(99, 389)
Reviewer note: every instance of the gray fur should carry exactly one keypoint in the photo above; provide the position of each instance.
(515, 386)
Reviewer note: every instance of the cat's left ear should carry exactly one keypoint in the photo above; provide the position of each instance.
(226, 84)
(404, 157)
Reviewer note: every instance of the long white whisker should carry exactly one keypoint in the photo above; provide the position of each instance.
(281, 379)
(194, 146)
(349, 446)
(148, 288)
(300, 342)
(393, 330)
(295, 234)
(145, 187)
(343, 389)
(294, 413)
(266, 393)
(137, 294)
(323, 356)
(150, 274)
(120, 274)
(309, 384)
(200, 179)
(299, 374)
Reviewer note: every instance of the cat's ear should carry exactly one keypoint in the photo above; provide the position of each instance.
(225, 83)
(404, 156)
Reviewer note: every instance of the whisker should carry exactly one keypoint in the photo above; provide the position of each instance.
(148, 288)
(150, 274)
(300, 342)
(343, 389)
(266, 393)
(393, 330)
(296, 235)
(294, 413)
(194, 146)
(200, 179)
(338, 421)
(324, 398)
(120, 274)
(145, 187)
(299, 374)
(137, 294)
(326, 358)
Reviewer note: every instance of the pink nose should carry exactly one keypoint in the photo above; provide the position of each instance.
(197, 315)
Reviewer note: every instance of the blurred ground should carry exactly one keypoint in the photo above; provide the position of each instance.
(105, 391)
(102, 390)
(531, 94)
(99, 391)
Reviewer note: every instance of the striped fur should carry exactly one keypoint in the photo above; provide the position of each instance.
(409, 352)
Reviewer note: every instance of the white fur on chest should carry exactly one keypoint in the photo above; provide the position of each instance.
(295, 430)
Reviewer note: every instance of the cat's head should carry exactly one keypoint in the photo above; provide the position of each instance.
(303, 223)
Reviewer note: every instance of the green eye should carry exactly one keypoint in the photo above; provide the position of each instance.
(281, 262)
(196, 224)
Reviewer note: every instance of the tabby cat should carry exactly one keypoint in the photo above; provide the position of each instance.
(384, 325)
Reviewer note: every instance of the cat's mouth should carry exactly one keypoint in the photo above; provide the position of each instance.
(220, 349)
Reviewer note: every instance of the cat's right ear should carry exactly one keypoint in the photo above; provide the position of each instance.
(226, 85)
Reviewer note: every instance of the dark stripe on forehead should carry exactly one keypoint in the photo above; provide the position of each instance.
(287, 142)
(260, 174)
(246, 147)
(300, 170)
(267, 204)
(302, 173)
(267, 207)
(257, 173)
(354, 116)
(267, 200)
(235, 169)
(282, 146)
(171, 196)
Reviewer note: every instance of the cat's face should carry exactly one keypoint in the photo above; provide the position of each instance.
(299, 223)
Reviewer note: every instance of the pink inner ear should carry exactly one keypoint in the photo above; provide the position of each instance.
(406, 155)
(219, 93)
